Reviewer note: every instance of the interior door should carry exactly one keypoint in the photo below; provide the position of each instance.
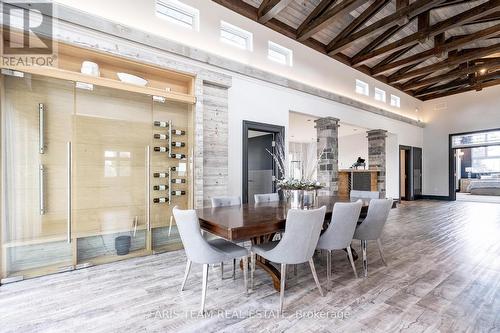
(37, 116)
(113, 130)
(417, 172)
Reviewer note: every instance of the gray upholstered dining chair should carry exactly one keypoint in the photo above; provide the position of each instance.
(226, 201)
(269, 197)
(356, 194)
(201, 251)
(339, 234)
(372, 226)
(297, 245)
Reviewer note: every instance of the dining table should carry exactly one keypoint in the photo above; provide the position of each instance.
(260, 222)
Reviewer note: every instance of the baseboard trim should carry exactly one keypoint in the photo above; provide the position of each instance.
(434, 197)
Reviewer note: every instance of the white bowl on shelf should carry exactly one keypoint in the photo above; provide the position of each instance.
(90, 68)
(132, 79)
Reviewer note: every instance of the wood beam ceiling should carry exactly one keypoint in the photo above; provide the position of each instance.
(408, 74)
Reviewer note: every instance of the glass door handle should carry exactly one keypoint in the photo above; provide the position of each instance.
(41, 192)
(148, 187)
(41, 128)
(70, 171)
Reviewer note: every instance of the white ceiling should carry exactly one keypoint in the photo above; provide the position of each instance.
(301, 128)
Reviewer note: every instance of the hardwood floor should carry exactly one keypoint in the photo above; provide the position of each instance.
(443, 275)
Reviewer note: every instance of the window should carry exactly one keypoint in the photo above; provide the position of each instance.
(395, 101)
(280, 54)
(235, 36)
(179, 13)
(379, 95)
(362, 88)
(490, 138)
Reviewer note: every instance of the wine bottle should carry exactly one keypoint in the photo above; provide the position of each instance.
(173, 169)
(160, 200)
(178, 144)
(160, 174)
(161, 124)
(178, 193)
(178, 181)
(161, 136)
(160, 187)
(161, 149)
(178, 156)
(178, 132)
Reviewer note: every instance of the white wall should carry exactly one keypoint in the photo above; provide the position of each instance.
(351, 147)
(254, 100)
(310, 67)
(465, 112)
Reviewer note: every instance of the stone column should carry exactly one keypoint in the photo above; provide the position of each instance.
(376, 156)
(328, 162)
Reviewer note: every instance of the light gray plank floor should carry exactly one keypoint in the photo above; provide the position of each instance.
(443, 276)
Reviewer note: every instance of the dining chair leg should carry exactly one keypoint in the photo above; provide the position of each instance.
(222, 270)
(170, 225)
(328, 267)
(204, 288)
(349, 254)
(245, 273)
(365, 262)
(252, 269)
(313, 271)
(186, 273)
(282, 287)
(234, 269)
(380, 250)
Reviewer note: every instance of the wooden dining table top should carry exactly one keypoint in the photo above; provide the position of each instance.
(247, 221)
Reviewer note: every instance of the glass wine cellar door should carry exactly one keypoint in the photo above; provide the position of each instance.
(90, 173)
(36, 214)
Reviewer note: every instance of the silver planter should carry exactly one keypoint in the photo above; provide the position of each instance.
(296, 199)
(309, 199)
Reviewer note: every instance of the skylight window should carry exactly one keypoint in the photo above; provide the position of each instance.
(178, 13)
(379, 95)
(395, 101)
(280, 54)
(362, 88)
(235, 36)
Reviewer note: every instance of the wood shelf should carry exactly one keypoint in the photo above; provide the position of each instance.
(104, 82)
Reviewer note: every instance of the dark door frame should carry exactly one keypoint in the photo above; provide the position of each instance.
(255, 126)
(409, 174)
(452, 194)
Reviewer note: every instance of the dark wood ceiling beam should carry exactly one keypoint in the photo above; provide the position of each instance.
(451, 3)
(449, 62)
(452, 22)
(393, 56)
(438, 50)
(476, 83)
(461, 90)
(380, 39)
(460, 72)
(364, 17)
(268, 9)
(407, 13)
(327, 18)
(317, 11)
(486, 19)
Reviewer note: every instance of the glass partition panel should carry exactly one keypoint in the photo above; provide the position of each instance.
(112, 132)
(36, 129)
(171, 171)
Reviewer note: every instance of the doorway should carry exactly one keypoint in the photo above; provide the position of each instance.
(259, 167)
(475, 166)
(410, 172)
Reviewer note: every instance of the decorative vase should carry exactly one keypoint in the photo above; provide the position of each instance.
(122, 245)
(309, 199)
(296, 198)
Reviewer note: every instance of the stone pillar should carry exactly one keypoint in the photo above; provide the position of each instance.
(376, 156)
(328, 162)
